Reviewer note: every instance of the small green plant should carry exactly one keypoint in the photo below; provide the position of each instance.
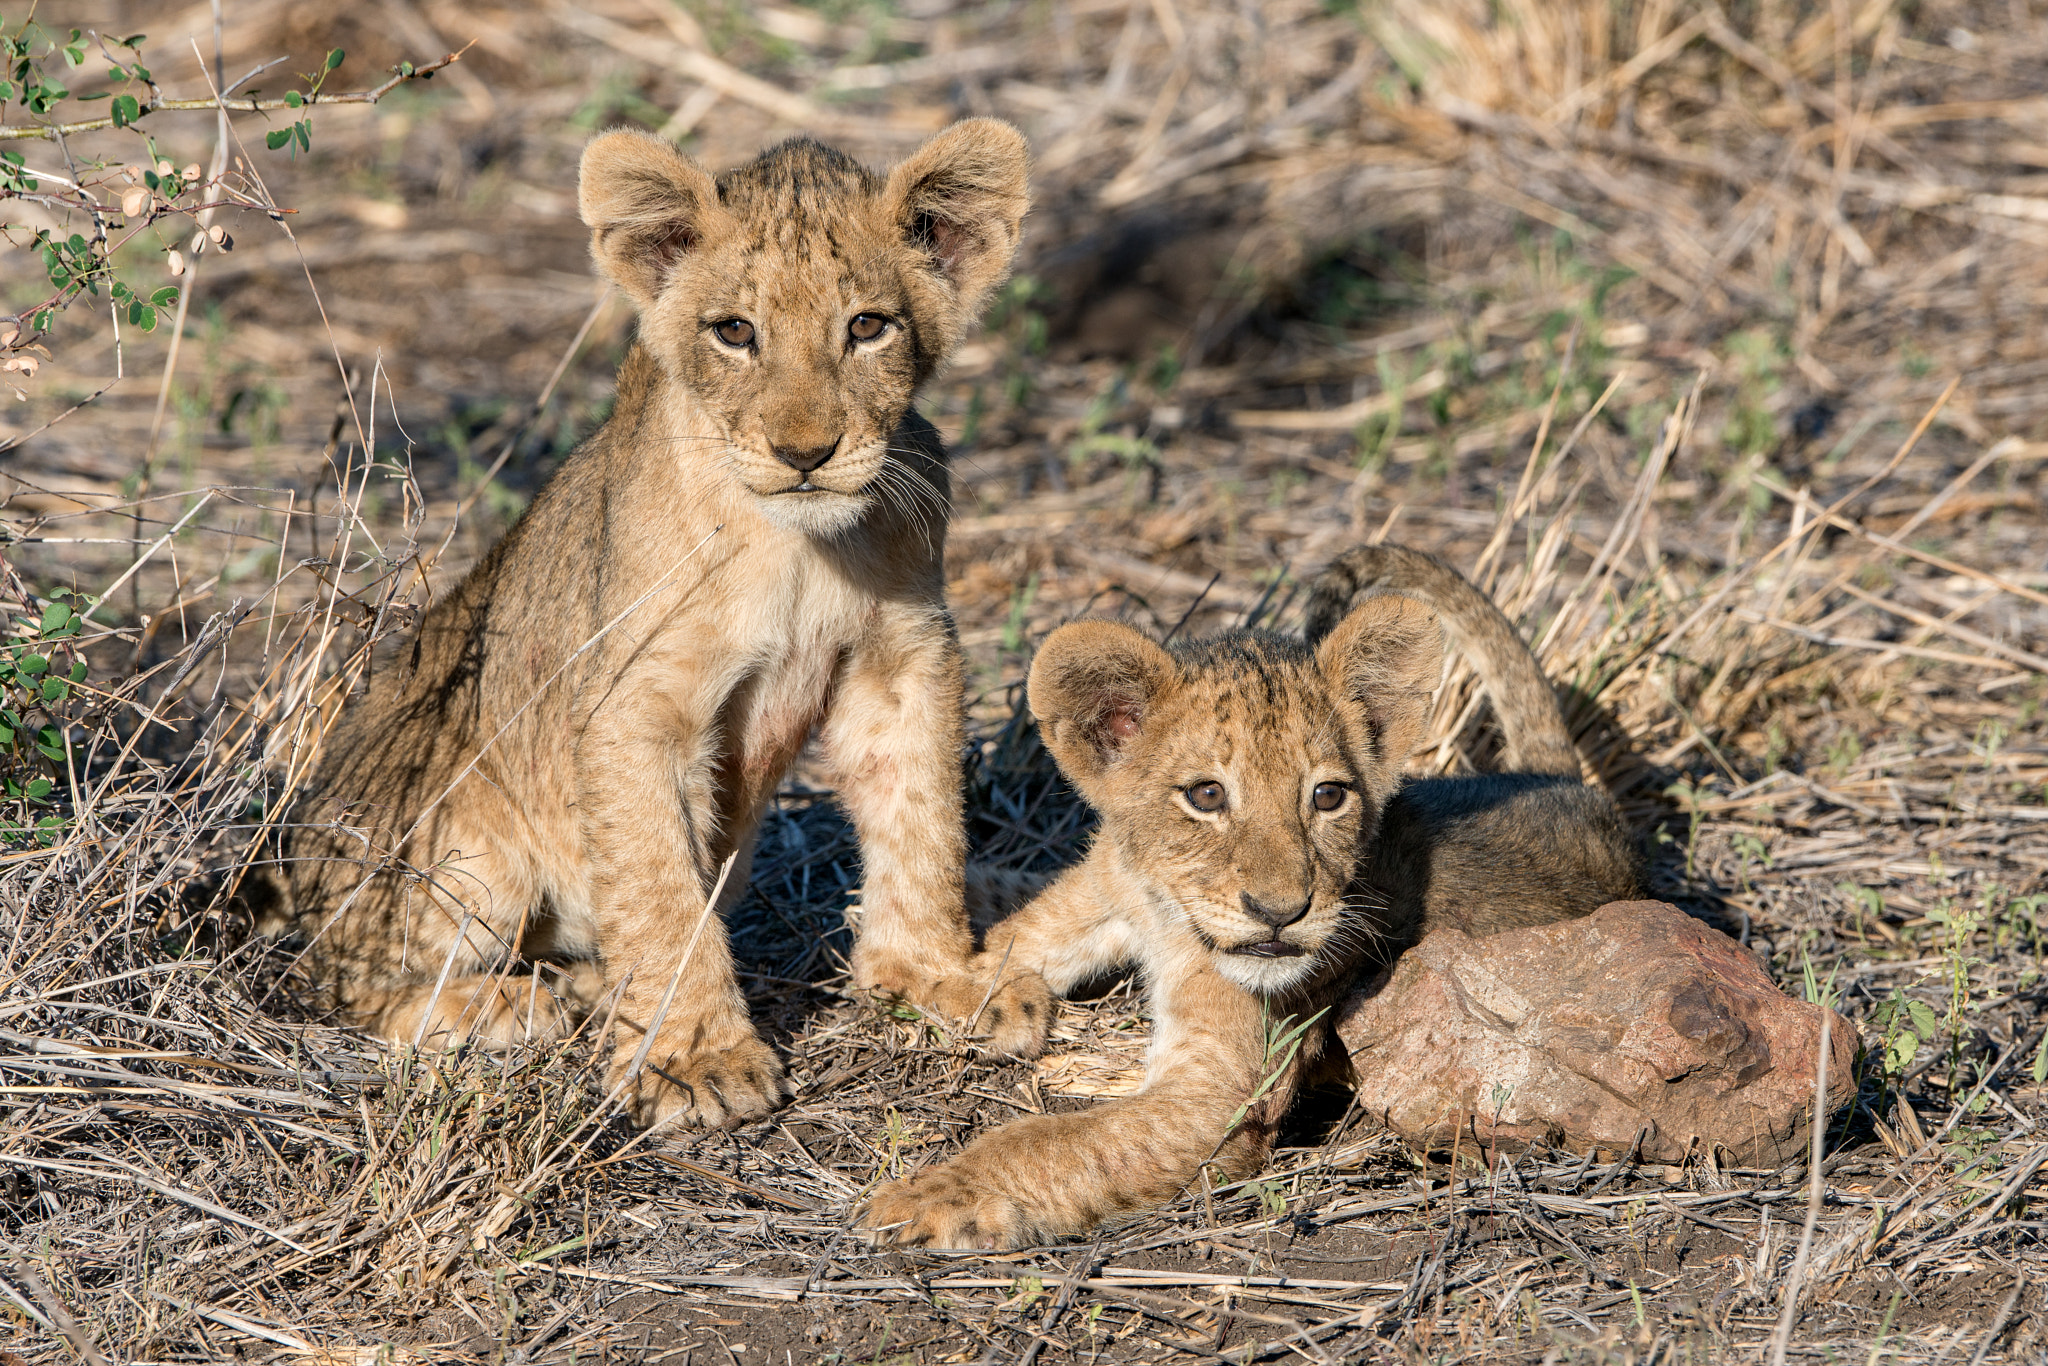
(1271, 1195)
(1820, 992)
(104, 206)
(301, 130)
(1693, 799)
(1960, 928)
(1990, 737)
(1749, 848)
(1843, 751)
(1776, 745)
(1026, 1291)
(1905, 1024)
(1869, 903)
(1020, 603)
(39, 668)
(1282, 1042)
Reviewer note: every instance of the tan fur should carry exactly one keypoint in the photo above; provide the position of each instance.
(749, 552)
(1247, 921)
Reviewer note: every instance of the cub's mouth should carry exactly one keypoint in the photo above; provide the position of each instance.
(1267, 948)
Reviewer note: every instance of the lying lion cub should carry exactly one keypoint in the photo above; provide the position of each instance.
(585, 732)
(1258, 848)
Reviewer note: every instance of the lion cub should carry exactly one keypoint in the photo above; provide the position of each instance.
(1258, 849)
(586, 731)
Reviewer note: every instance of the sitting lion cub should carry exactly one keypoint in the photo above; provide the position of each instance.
(1258, 848)
(586, 731)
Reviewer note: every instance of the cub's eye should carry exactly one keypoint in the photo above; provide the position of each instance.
(1329, 796)
(1205, 796)
(867, 326)
(734, 332)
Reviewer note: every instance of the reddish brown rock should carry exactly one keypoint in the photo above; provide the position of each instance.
(1635, 1019)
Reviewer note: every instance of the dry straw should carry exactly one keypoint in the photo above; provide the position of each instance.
(1793, 671)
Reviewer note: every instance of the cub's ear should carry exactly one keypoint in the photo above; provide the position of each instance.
(961, 198)
(647, 204)
(1091, 688)
(1385, 658)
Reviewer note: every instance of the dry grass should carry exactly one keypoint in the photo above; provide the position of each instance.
(1711, 338)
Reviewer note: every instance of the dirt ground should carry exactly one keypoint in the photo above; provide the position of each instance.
(1714, 337)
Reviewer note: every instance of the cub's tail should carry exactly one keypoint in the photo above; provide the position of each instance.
(1537, 741)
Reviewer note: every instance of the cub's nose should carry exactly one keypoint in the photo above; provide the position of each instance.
(804, 459)
(1273, 913)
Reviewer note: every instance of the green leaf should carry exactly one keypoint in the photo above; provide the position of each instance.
(56, 689)
(2041, 1061)
(77, 243)
(78, 671)
(1923, 1019)
(38, 789)
(6, 737)
(55, 616)
(1899, 1052)
(293, 98)
(276, 138)
(135, 312)
(165, 297)
(147, 322)
(125, 109)
(50, 741)
(334, 59)
(35, 666)
(305, 132)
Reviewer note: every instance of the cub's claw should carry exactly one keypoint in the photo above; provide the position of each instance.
(947, 1208)
(708, 1088)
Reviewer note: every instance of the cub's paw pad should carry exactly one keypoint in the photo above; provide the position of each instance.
(1017, 1016)
(946, 1209)
(707, 1088)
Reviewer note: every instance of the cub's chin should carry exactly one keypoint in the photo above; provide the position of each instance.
(820, 513)
(1264, 968)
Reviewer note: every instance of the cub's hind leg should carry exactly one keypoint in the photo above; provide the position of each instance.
(424, 948)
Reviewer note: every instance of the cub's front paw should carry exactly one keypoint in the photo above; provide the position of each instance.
(703, 1088)
(1018, 1013)
(948, 1208)
(1010, 1008)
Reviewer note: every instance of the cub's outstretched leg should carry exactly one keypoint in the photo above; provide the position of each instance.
(1046, 1176)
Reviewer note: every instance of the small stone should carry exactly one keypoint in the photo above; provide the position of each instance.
(1634, 1020)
